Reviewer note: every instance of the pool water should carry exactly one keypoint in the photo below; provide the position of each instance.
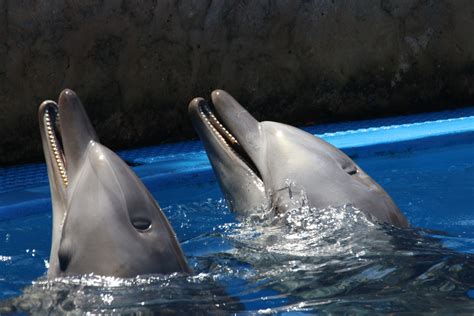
(332, 260)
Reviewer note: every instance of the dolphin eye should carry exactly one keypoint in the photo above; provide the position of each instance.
(351, 170)
(141, 223)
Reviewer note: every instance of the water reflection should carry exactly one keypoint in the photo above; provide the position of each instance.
(332, 260)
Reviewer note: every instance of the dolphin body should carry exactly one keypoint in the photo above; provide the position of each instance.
(104, 219)
(256, 162)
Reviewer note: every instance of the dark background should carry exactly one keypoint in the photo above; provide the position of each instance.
(137, 64)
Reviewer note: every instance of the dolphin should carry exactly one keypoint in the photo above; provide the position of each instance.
(259, 164)
(104, 219)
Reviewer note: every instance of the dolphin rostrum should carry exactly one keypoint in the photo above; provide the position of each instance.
(256, 162)
(104, 219)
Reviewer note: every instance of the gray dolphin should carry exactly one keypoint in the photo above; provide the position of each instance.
(255, 163)
(104, 219)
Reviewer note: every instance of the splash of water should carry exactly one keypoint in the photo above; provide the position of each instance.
(334, 260)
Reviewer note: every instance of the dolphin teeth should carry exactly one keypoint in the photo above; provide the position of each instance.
(54, 146)
(222, 129)
(225, 137)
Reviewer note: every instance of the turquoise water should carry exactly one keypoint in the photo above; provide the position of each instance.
(331, 260)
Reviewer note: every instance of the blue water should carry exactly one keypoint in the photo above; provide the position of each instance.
(333, 260)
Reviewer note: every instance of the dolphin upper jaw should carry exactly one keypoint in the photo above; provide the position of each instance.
(64, 144)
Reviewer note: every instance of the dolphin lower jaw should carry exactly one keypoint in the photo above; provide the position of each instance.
(53, 137)
(226, 139)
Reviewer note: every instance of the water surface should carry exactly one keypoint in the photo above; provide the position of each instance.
(307, 260)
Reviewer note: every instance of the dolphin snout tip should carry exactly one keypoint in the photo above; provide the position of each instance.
(218, 93)
(66, 96)
(45, 104)
(67, 93)
(194, 104)
(221, 98)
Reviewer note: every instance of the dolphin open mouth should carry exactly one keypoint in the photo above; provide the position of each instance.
(225, 137)
(52, 130)
(66, 133)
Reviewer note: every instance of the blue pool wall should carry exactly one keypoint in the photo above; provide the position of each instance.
(24, 189)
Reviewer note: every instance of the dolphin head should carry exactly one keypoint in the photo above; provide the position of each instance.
(260, 164)
(104, 219)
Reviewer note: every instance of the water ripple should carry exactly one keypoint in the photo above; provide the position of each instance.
(333, 260)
